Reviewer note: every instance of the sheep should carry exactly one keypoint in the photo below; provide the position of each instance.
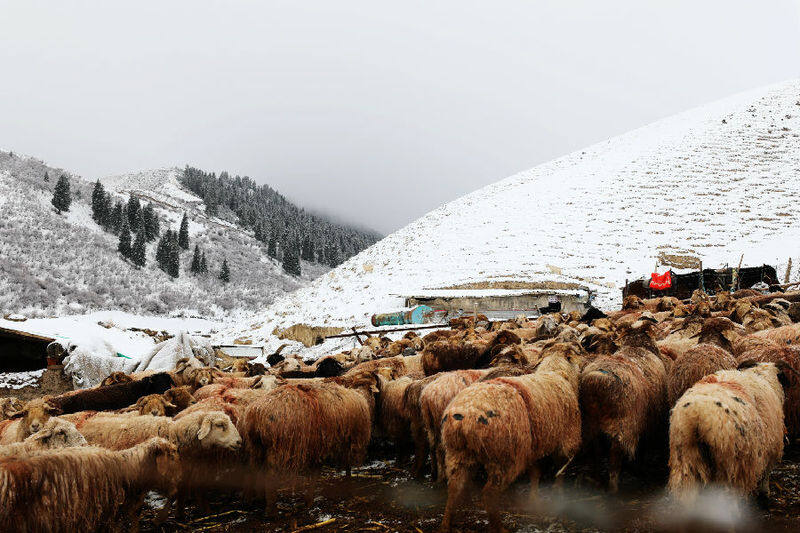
(56, 433)
(507, 425)
(432, 402)
(401, 365)
(9, 407)
(180, 398)
(456, 353)
(727, 429)
(196, 431)
(28, 421)
(782, 335)
(152, 404)
(113, 396)
(623, 396)
(295, 428)
(392, 418)
(791, 357)
(81, 489)
(413, 412)
(712, 353)
(116, 377)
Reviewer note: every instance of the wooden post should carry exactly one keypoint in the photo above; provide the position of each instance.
(357, 336)
(788, 271)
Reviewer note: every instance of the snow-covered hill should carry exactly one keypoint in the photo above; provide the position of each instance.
(712, 183)
(54, 264)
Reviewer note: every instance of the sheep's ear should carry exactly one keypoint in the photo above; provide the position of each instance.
(53, 410)
(205, 429)
(256, 383)
(20, 414)
(170, 405)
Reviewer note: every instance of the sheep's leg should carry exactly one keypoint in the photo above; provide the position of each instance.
(615, 456)
(270, 494)
(420, 451)
(441, 473)
(763, 490)
(534, 472)
(457, 478)
(491, 500)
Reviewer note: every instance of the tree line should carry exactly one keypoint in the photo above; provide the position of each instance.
(290, 232)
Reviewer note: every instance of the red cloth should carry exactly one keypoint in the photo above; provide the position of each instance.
(660, 282)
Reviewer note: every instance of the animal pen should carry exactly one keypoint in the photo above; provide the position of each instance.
(710, 280)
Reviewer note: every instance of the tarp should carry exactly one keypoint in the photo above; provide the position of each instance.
(660, 282)
(88, 364)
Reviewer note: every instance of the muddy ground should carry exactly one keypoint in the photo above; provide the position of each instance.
(383, 497)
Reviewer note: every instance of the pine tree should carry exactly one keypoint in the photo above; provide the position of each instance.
(174, 262)
(107, 211)
(203, 264)
(98, 202)
(272, 247)
(46, 176)
(151, 225)
(139, 250)
(197, 266)
(61, 195)
(124, 246)
(183, 234)
(259, 233)
(117, 218)
(225, 273)
(162, 251)
(291, 260)
(133, 210)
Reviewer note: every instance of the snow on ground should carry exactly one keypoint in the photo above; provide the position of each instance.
(714, 182)
(19, 380)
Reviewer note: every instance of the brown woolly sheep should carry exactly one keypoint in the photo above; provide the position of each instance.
(392, 418)
(81, 489)
(714, 352)
(791, 357)
(432, 402)
(152, 404)
(401, 366)
(506, 426)
(632, 302)
(116, 377)
(9, 407)
(413, 412)
(56, 433)
(727, 429)
(783, 335)
(117, 396)
(214, 403)
(296, 428)
(180, 398)
(623, 396)
(28, 421)
(459, 353)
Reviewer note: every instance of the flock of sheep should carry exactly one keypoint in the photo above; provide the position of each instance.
(716, 377)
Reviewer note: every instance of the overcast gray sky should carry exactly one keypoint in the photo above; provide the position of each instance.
(376, 112)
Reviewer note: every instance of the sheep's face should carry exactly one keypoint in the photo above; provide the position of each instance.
(35, 415)
(154, 404)
(200, 377)
(58, 433)
(265, 383)
(217, 431)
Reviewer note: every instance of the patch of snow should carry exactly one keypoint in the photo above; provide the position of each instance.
(19, 380)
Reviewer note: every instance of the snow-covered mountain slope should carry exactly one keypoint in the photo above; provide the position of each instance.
(713, 183)
(55, 264)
